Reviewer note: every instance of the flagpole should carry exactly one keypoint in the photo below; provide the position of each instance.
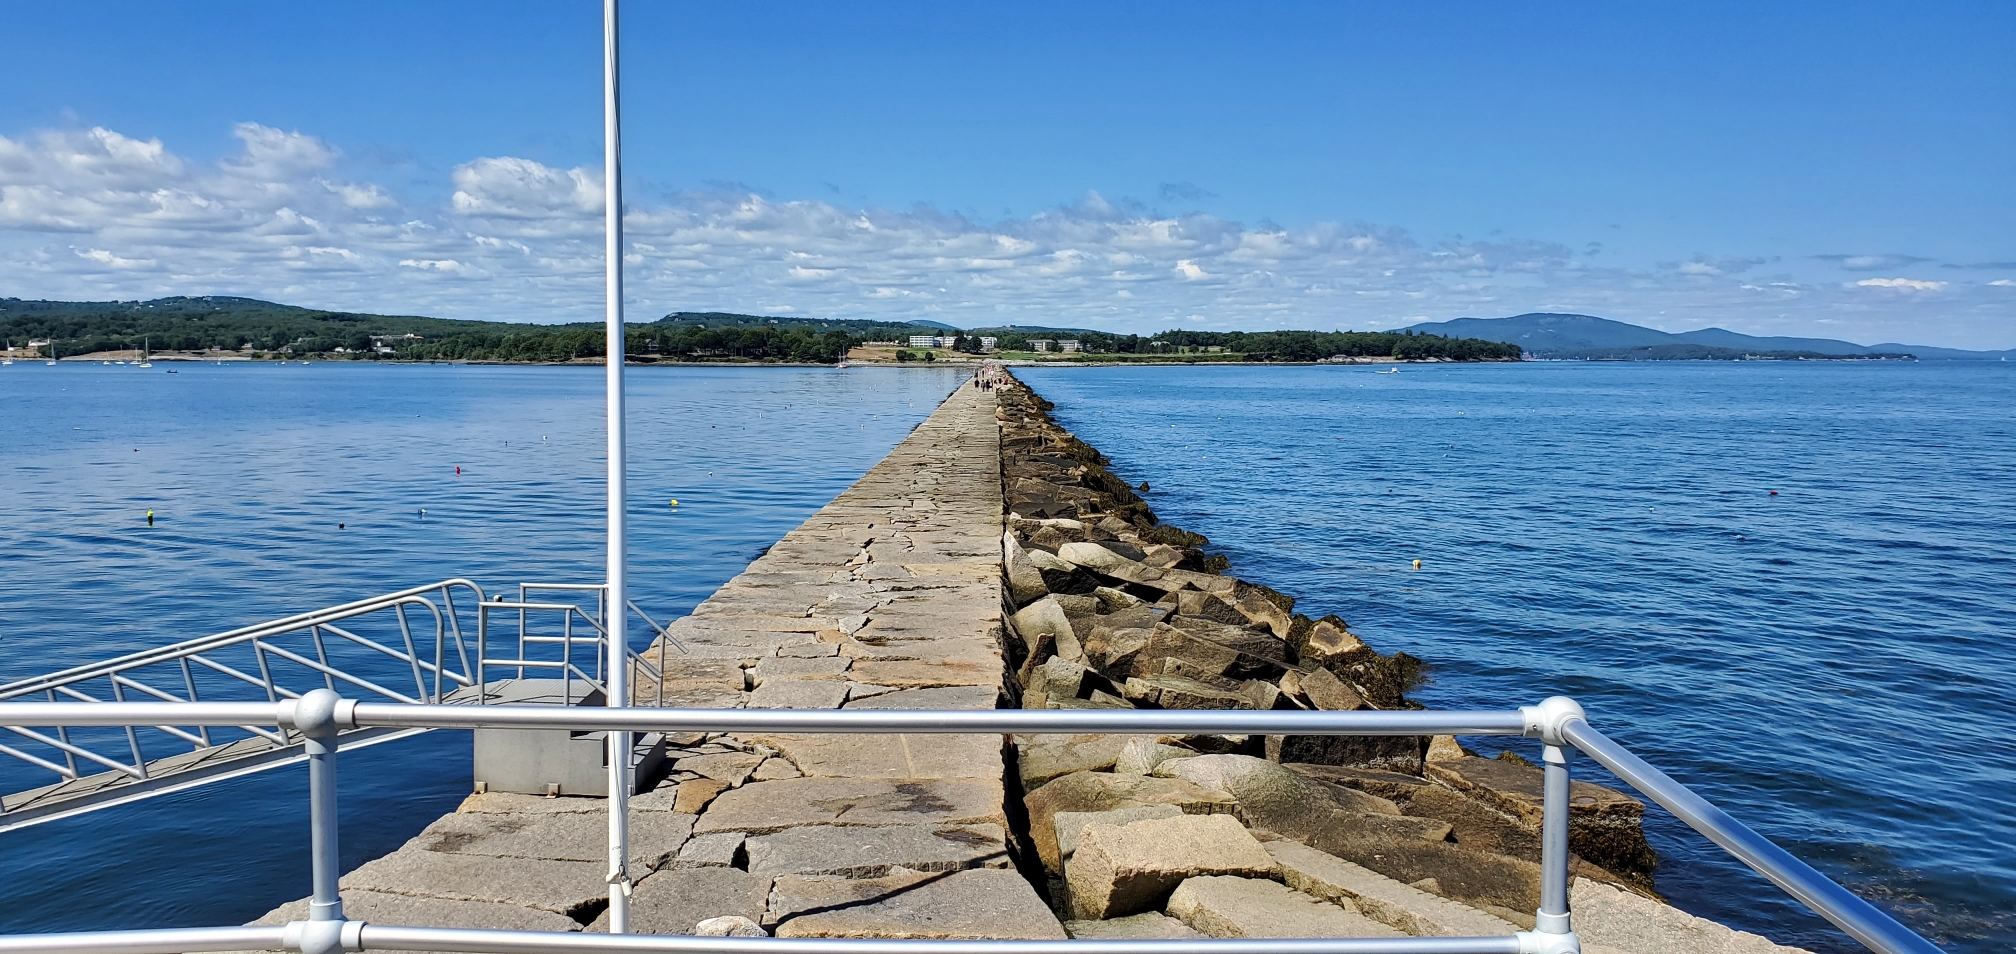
(616, 599)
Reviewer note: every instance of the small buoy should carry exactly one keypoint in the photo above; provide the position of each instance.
(150, 518)
(1774, 493)
(458, 470)
(339, 526)
(1417, 564)
(675, 501)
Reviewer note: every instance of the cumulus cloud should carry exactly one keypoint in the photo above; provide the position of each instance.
(1901, 284)
(95, 214)
(522, 189)
(1871, 263)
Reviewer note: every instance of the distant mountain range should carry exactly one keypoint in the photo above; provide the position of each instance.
(1586, 336)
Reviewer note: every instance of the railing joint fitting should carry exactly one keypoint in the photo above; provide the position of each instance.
(1548, 942)
(1547, 720)
(324, 937)
(320, 714)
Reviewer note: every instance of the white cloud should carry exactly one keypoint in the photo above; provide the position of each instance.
(1902, 284)
(110, 260)
(514, 188)
(94, 214)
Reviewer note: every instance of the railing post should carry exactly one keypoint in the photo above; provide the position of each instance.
(1552, 917)
(316, 715)
(1552, 931)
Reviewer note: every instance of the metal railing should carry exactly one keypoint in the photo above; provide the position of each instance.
(322, 717)
(411, 647)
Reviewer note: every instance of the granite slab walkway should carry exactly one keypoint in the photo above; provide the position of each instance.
(888, 597)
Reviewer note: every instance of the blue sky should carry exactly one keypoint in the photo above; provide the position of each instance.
(1846, 170)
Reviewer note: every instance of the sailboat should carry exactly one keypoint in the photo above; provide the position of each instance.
(146, 351)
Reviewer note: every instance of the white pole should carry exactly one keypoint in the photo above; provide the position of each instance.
(616, 605)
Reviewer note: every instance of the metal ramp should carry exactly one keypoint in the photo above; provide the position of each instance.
(433, 644)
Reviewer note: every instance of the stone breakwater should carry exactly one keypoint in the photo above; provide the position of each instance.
(991, 560)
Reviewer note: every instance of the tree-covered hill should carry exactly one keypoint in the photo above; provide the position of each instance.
(211, 322)
(248, 325)
(226, 323)
(1283, 345)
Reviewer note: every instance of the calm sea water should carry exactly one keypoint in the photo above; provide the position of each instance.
(1826, 663)
(1829, 664)
(250, 469)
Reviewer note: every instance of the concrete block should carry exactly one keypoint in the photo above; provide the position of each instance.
(572, 836)
(1041, 758)
(676, 901)
(773, 668)
(941, 697)
(765, 807)
(720, 850)
(412, 911)
(731, 767)
(1141, 756)
(792, 895)
(1151, 926)
(928, 673)
(692, 797)
(891, 756)
(1070, 825)
(798, 694)
(1403, 907)
(563, 887)
(1100, 791)
(1127, 869)
(979, 903)
(1246, 907)
(865, 852)
(1607, 916)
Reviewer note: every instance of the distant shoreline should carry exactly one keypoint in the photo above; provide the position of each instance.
(962, 360)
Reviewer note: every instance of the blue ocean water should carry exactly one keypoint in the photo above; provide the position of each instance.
(1830, 664)
(250, 469)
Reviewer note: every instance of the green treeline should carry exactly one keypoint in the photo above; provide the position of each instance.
(196, 324)
(688, 343)
(1284, 345)
(262, 328)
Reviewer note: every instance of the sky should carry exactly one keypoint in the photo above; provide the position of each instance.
(1831, 169)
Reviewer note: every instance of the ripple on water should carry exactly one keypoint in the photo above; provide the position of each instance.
(1826, 663)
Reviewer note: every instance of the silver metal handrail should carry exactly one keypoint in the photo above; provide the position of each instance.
(374, 647)
(596, 619)
(371, 646)
(322, 717)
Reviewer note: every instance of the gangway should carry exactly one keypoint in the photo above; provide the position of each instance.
(433, 644)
